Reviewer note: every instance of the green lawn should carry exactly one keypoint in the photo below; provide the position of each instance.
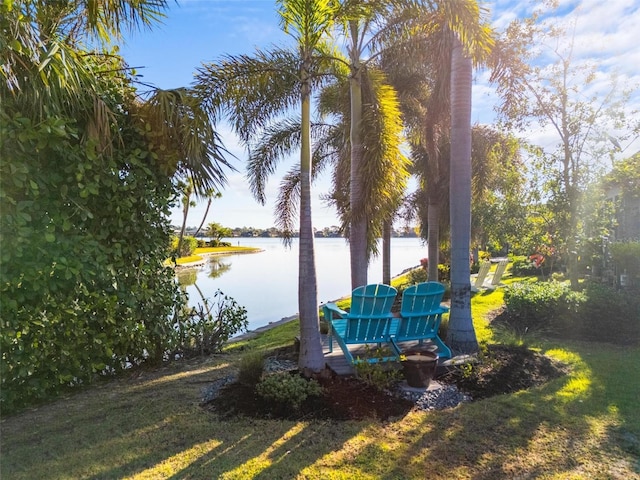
(149, 425)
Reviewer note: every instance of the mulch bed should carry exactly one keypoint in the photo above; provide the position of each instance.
(502, 370)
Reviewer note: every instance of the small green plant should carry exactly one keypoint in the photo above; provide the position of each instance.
(466, 369)
(379, 374)
(206, 328)
(417, 275)
(189, 245)
(251, 368)
(287, 389)
(534, 305)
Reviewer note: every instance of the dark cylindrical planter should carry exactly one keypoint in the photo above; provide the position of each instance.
(419, 368)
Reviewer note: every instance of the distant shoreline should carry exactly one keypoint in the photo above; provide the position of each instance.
(206, 252)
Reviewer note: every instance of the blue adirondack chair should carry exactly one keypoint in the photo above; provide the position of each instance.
(420, 317)
(368, 320)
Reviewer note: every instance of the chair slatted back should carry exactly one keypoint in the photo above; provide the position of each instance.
(370, 313)
(497, 276)
(420, 310)
(482, 274)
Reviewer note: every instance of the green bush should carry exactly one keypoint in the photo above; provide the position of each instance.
(381, 375)
(251, 368)
(218, 243)
(417, 275)
(522, 266)
(626, 258)
(606, 314)
(597, 313)
(189, 245)
(206, 328)
(84, 236)
(288, 390)
(534, 305)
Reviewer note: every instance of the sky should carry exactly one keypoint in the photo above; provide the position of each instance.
(199, 31)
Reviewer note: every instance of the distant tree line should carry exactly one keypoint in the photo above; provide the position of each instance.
(273, 232)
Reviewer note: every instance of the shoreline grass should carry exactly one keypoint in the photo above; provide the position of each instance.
(150, 425)
(201, 253)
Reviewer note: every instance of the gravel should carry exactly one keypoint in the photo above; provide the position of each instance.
(438, 398)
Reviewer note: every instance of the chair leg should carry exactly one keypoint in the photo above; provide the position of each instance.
(443, 350)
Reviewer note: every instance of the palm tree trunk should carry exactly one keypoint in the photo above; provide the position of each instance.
(433, 196)
(185, 213)
(461, 336)
(204, 217)
(386, 252)
(311, 358)
(358, 224)
(433, 236)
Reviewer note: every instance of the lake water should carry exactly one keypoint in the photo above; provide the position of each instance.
(266, 283)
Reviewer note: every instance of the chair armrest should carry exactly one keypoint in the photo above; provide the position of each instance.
(436, 311)
(330, 309)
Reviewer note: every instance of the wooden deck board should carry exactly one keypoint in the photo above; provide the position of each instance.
(337, 362)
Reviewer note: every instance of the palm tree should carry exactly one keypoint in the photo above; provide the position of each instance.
(209, 195)
(359, 19)
(460, 334)
(419, 67)
(253, 91)
(187, 191)
(384, 166)
(50, 69)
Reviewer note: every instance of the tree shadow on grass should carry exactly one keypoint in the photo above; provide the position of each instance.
(152, 424)
(566, 427)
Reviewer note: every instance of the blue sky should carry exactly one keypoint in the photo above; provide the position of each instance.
(197, 31)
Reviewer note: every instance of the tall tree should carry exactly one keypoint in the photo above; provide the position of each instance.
(254, 91)
(81, 170)
(460, 334)
(361, 22)
(556, 91)
(209, 195)
(417, 56)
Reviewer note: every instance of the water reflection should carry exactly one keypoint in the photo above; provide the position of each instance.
(217, 267)
(187, 277)
(266, 283)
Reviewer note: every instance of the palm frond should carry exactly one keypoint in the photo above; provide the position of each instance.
(287, 204)
(277, 141)
(250, 90)
(182, 134)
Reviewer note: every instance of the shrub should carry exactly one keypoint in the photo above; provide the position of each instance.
(605, 314)
(251, 368)
(626, 258)
(534, 305)
(417, 275)
(444, 273)
(205, 328)
(218, 243)
(598, 312)
(288, 390)
(522, 266)
(381, 375)
(189, 245)
(84, 236)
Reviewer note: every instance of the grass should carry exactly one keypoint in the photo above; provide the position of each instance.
(199, 252)
(149, 425)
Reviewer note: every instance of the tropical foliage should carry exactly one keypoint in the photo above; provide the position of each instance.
(86, 173)
(258, 93)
